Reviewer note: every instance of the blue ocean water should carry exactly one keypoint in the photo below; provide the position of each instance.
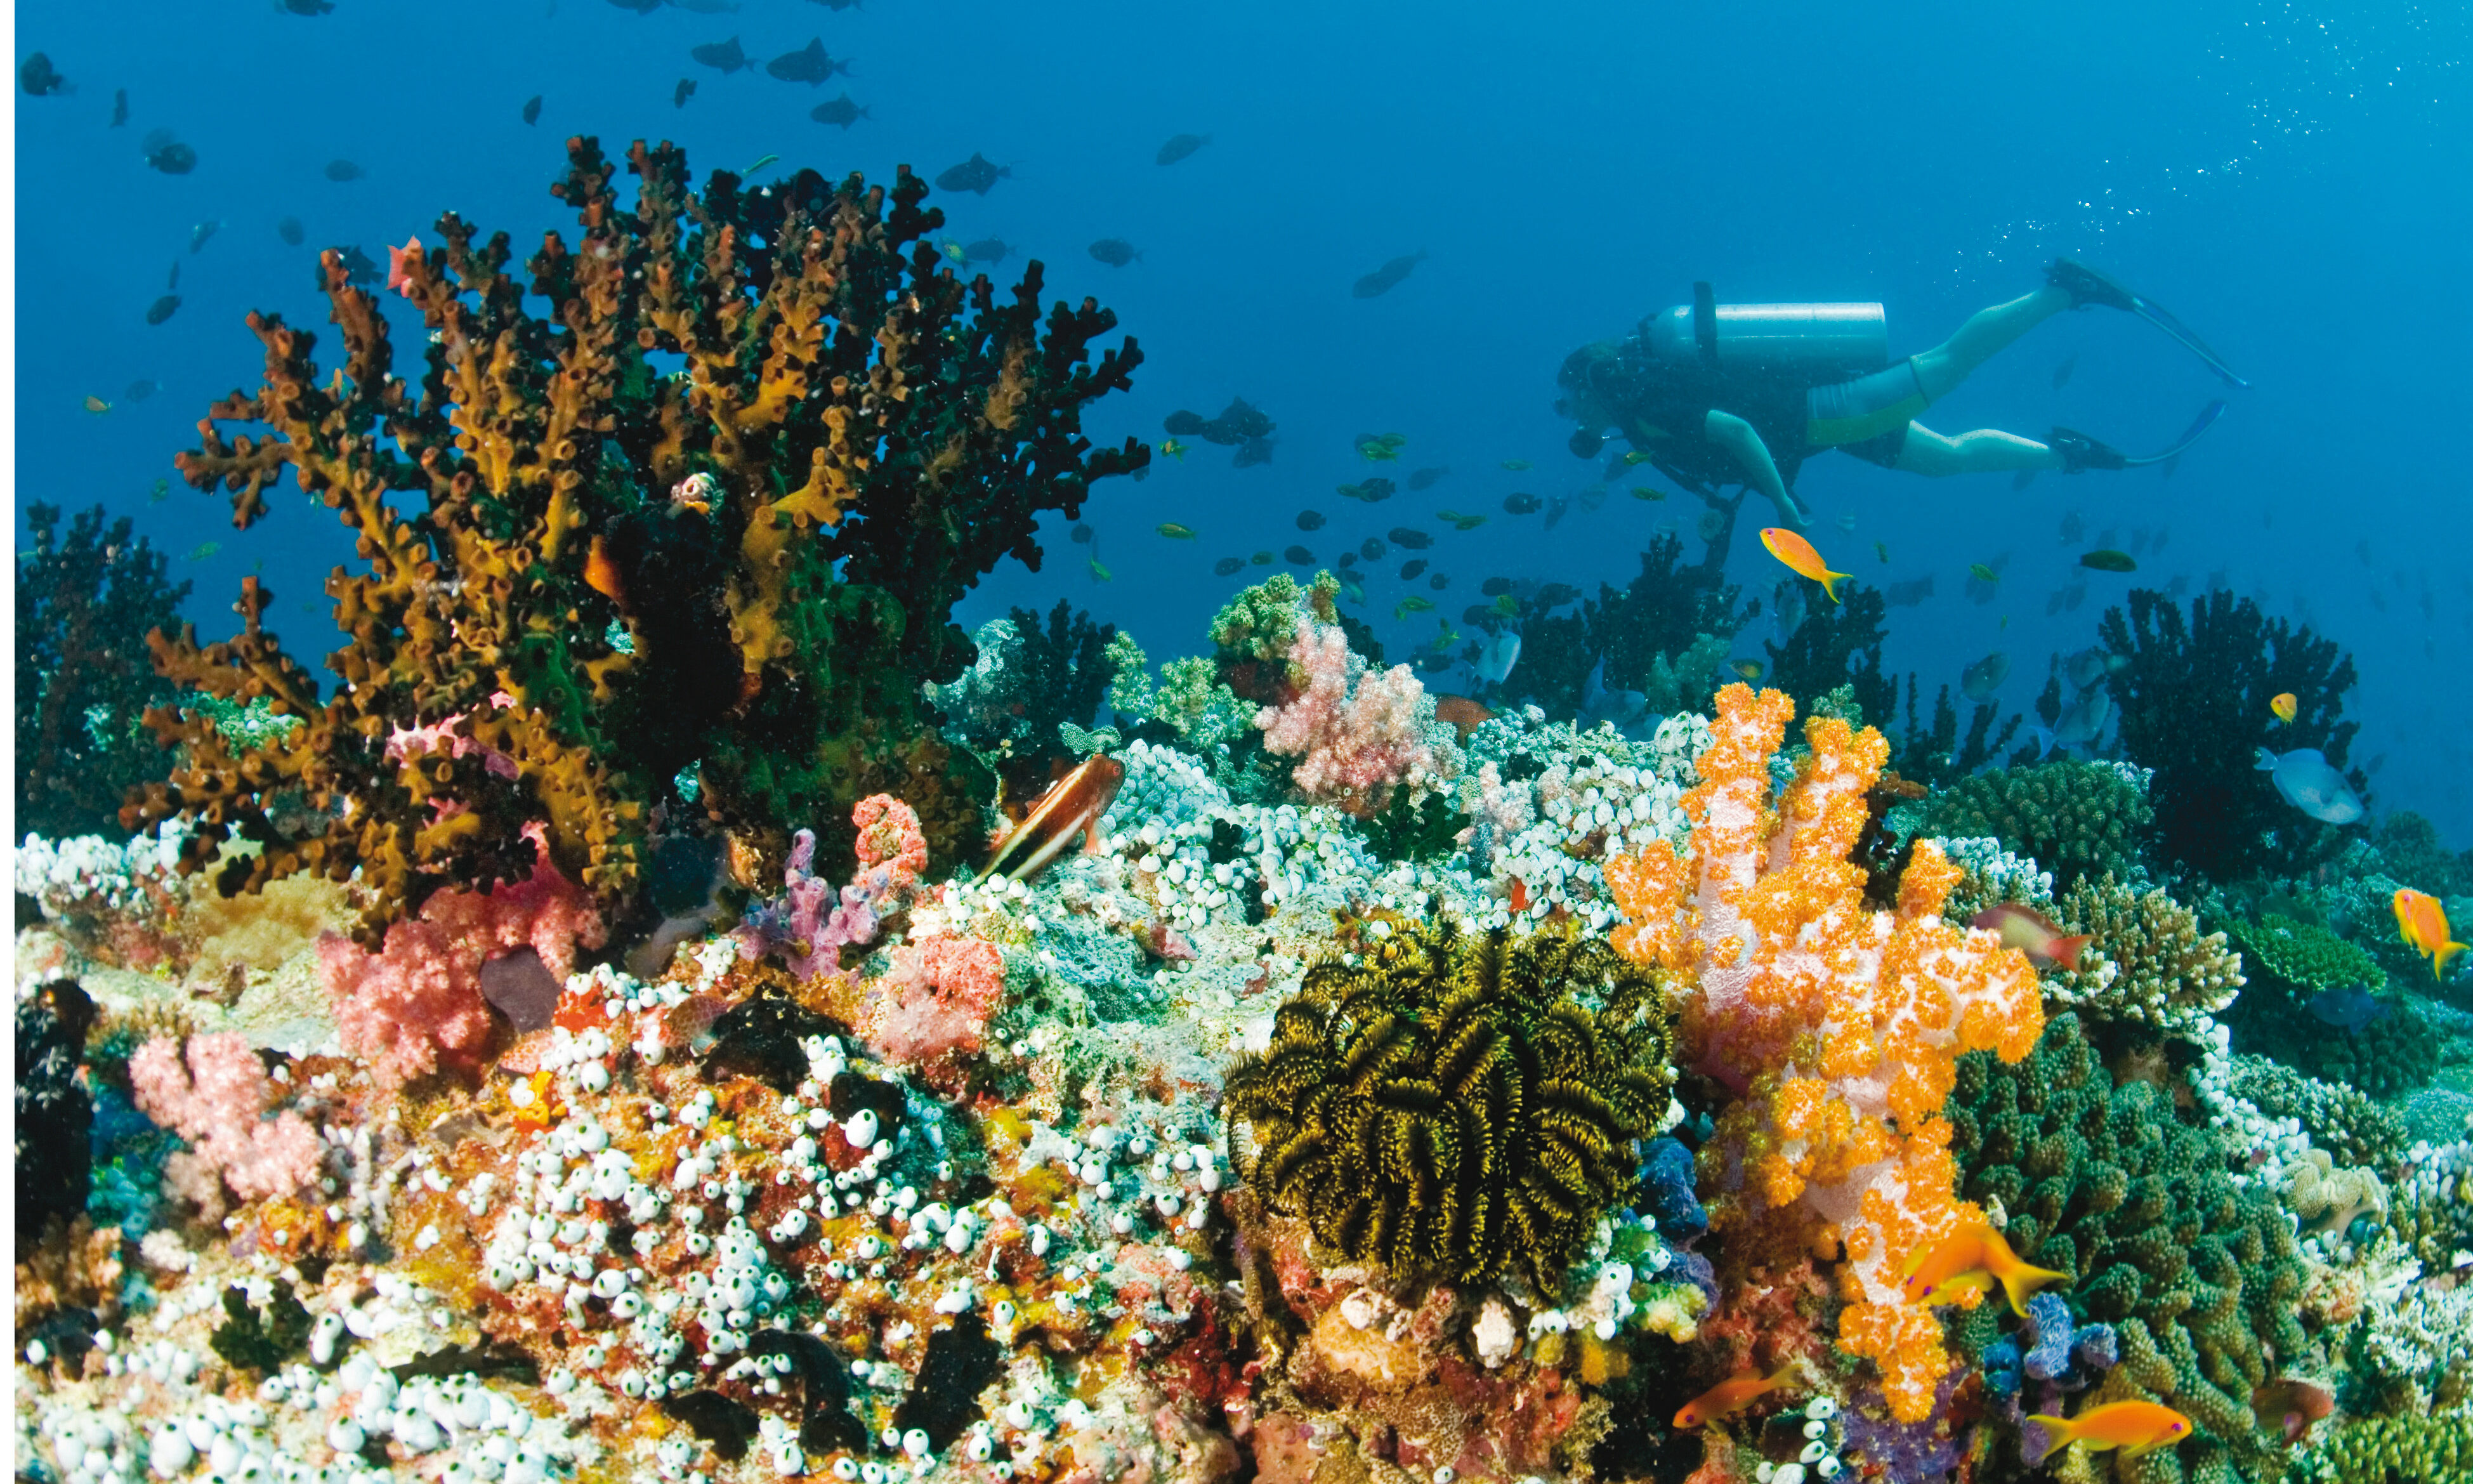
(2292, 182)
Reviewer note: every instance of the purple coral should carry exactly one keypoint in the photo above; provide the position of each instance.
(1920, 1452)
(2048, 1336)
(814, 922)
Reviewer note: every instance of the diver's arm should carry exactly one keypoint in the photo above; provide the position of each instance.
(1742, 440)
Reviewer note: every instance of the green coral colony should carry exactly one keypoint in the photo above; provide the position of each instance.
(578, 1044)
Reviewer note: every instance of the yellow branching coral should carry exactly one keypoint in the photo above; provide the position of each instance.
(1841, 1026)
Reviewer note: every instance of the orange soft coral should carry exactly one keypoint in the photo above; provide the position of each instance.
(1841, 1026)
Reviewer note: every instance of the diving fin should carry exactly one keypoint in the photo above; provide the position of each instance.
(2086, 286)
(2205, 419)
(2080, 452)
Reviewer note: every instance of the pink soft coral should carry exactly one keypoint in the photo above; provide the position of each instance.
(217, 1102)
(936, 1000)
(815, 922)
(416, 1006)
(1353, 746)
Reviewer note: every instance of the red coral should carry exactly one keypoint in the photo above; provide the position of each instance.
(936, 1000)
(416, 1006)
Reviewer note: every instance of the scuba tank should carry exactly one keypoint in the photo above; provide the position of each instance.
(1817, 343)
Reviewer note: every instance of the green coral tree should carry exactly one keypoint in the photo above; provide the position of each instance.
(707, 513)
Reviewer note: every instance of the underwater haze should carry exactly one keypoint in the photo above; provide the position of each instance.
(1599, 742)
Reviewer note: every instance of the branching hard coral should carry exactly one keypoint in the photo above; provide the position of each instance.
(1457, 1105)
(1840, 1025)
(2074, 819)
(613, 571)
(2339, 1119)
(2148, 964)
(2101, 1181)
(217, 1101)
(2300, 1005)
(2192, 702)
(86, 599)
(2411, 1448)
(2302, 958)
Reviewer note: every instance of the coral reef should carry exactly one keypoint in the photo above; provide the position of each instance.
(2302, 958)
(2199, 1280)
(1028, 684)
(2192, 702)
(1840, 1026)
(2148, 964)
(1837, 645)
(1354, 733)
(2292, 968)
(213, 1092)
(746, 564)
(86, 597)
(2074, 819)
(1454, 1106)
(2412, 1449)
(2357, 1130)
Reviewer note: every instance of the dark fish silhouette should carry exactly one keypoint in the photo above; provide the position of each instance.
(1310, 521)
(162, 308)
(1239, 423)
(173, 281)
(2061, 372)
(289, 229)
(359, 268)
(40, 78)
(1439, 581)
(2107, 560)
(532, 108)
(140, 389)
(987, 249)
(1425, 478)
(978, 175)
(1556, 509)
(2348, 1009)
(1115, 251)
(308, 7)
(1980, 679)
(1373, 548)
(1555, 595)
(679, 94)
(839, 112)
(1081, 533)
(1228, 566)
(810, 64)
(2022, 478)
(1495, 586)
(167, 153)
(342, 170)
(1411, 538)
(837, 5)
(1411, 570)
(727, 55)
(640, 6)
(119, 107)
(1909, 594)
(1383, 280)
(1372, 491)
(1521, 503)
(1179, 147)
(1252, 452)
(1299, 556)
(202, 233)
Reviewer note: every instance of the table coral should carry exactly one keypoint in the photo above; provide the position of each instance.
(2148, 964)
(2199, 1280)
(747, 564)
(1841, 1026)
(2074, 819)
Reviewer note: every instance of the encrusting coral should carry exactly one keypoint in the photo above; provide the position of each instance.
(746, 564)
(2075, 819)
(2200, 1280)
(1456, 1104)
(2148, 964)
(1840, 1026)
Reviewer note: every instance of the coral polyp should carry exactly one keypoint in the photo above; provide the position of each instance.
(1453, 1105)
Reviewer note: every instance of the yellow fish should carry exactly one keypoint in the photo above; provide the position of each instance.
(1982, 574)
(1634, 457)
(1748, 669)
(1100, 574)
(1644, 492)
(1974, 1256)
(1507, 606)
(955, 251)
(1412, 605)
(96, 405)
(1799, 556)
(1172, 448)
(2286, 706)
(1174, 532)
(1468, 522)
(2135, 1428)
(2422, 921)
(601, 572)
(1447, 639)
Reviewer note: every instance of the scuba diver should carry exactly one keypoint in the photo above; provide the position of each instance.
(1742, 394)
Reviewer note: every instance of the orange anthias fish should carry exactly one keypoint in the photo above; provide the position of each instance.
(1797, 554)
(1974, 1256)
(601, 573)
(2032, 933)
(2423, 923)
(2286, 706)
(2135, 1428)
(1071, 807)
(1729, 1397)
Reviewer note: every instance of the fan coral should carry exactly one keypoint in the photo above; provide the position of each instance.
(2199, 1280)
(417, 1005)
(216, 1101)
(1455, 1104)
(86, 600)
(2148, 964)
(2074, 819)
(1842, 1026)
(2192, 697)
(746, 564)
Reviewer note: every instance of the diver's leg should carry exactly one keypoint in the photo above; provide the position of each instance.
(1743, 440)
(1939, 369)
(1983, 451)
